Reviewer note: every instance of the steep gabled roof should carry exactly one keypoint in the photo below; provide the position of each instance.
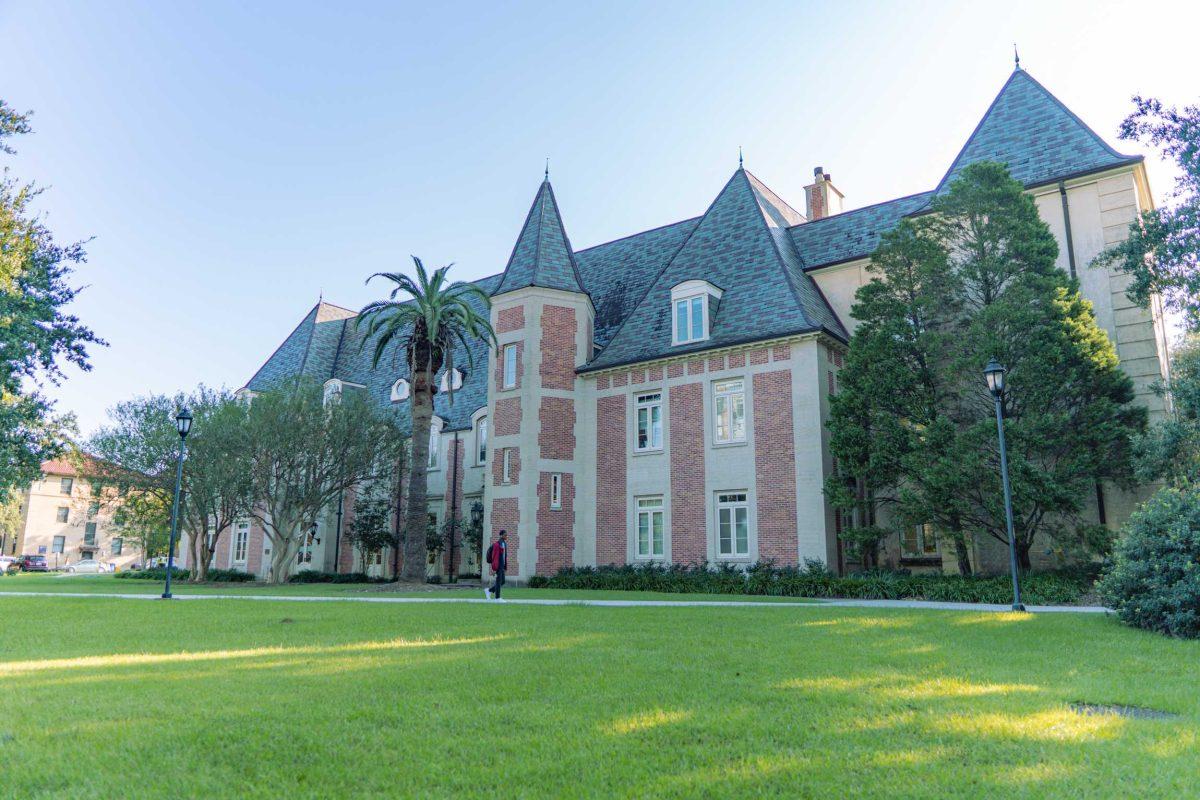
(542, 255)
(1038, 137)
(741, 246)
(308, 350)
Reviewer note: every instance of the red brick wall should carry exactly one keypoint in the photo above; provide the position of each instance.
(508, 416)
(514, 465)
(716, 363)
(557, 436)
(737, 360)
(505, 516)
(620, 379)
(510, 319)
(689, 540)
(611, 531)
(775, 467)
(696, 366)
(558, 347)
(500, 367)
(758, 356)
(655, 374)
(556, 528)
(782, 352)
(675, 369)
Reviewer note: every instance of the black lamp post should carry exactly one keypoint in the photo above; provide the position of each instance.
(183, 424)
(994, 372)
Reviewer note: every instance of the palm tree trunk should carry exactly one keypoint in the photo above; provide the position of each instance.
(415, 552)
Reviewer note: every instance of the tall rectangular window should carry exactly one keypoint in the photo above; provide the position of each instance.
(510, 366)
(481, 435)
(649, 422)
(919, 541)
(507, 465)
(89, 534)
(57, 545)
(690, 320)
(729, 405)
(556, 491)
(118, 545)
(241, 536)
(650, 533)
(66, 484)
(733, 525)
(433, 447)
(61, 514)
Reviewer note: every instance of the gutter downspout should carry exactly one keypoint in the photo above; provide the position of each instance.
(1062, 193)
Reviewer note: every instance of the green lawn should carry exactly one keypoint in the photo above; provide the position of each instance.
(110, 698)
(61, 582)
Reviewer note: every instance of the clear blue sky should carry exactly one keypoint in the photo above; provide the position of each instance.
(234, 162)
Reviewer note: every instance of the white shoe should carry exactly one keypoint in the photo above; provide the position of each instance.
(487, 594)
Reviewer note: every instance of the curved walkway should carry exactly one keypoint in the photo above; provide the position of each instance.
(811, 603)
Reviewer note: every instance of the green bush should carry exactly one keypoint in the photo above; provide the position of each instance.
(230, 576)
(814, 580)
(1153, 581)
(155, 574)
(313, 576)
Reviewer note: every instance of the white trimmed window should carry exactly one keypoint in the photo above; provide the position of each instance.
(648, 435)
(650, 527)
(333, 391)
(919, 541)
(507, 465)
(556, 491)
(510, 366)
(241, 536)
(733, 525)
(444, 385)
(481, 441)
(729, 407)
(400, 390)
(434, 434)
(691, 309)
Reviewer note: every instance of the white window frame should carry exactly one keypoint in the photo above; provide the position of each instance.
(685, 310)
(649, 403)
(648, 508)
(444, 384)
(240, 541)
(507, 476)
(435, 439)
(481, 440)
(509, 366)
(924, 535)
(725, 394)
(728, 505)
(400, 390)
(333, 392)
(556, 491)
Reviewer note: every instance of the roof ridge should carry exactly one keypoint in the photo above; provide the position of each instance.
(639, 233)
(562, 227)
(286, 339)
(763, 186)
(842, 214)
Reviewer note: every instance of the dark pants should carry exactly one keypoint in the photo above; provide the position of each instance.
(499, 582)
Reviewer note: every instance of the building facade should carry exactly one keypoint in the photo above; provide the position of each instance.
(62, 520)
(664, 397)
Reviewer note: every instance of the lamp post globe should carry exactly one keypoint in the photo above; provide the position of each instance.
(183, 424)
(994, 373)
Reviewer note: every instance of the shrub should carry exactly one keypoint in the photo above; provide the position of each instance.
(313, 576)
(814, 580)
(231, 576)
(1153, 581)
(154, 574)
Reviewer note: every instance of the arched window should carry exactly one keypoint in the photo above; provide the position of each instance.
(399, 390)
(444, 386)
(481, 441)
(333, 391)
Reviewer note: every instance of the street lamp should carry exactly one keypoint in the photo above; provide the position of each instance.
(183, 424)
(994, 373)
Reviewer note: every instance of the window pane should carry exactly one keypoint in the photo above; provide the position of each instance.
(510, 365)
(697, 318)
(117, 546)
(643, 534)
(681, 321)
(643, 428)
(483, 431)
(722, 422)
(738, 404)
(656, 426)
(742, 531)
(658, 533)
(725, 537)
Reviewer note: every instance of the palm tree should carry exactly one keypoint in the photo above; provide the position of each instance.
(435, 317)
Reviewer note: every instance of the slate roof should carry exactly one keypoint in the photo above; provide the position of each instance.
(749, 242)
(740, 246)
(542, 255)
(1038, 137)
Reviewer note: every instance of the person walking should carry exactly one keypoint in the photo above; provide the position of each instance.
(497, 558)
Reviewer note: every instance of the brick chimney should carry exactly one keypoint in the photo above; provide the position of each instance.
(822, 197)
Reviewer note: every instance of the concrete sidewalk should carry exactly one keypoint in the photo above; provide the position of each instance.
(813, 603)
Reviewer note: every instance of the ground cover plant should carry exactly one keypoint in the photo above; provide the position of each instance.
(1044, 588)
(226, 698)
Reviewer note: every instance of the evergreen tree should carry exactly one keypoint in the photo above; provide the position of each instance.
(913, 424)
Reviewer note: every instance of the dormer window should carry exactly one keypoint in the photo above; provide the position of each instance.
(692, 307)
(445, 384)
(399, 390)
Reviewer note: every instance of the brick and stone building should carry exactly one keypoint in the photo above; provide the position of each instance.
(664, 396)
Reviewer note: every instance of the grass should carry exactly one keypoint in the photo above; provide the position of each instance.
(110, 698)
(103, 584)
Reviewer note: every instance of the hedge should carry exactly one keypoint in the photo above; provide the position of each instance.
(313, 576)
(214, 575)
(1042, 588)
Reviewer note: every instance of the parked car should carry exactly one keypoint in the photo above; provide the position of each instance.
(33, 564)
(89, 565)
